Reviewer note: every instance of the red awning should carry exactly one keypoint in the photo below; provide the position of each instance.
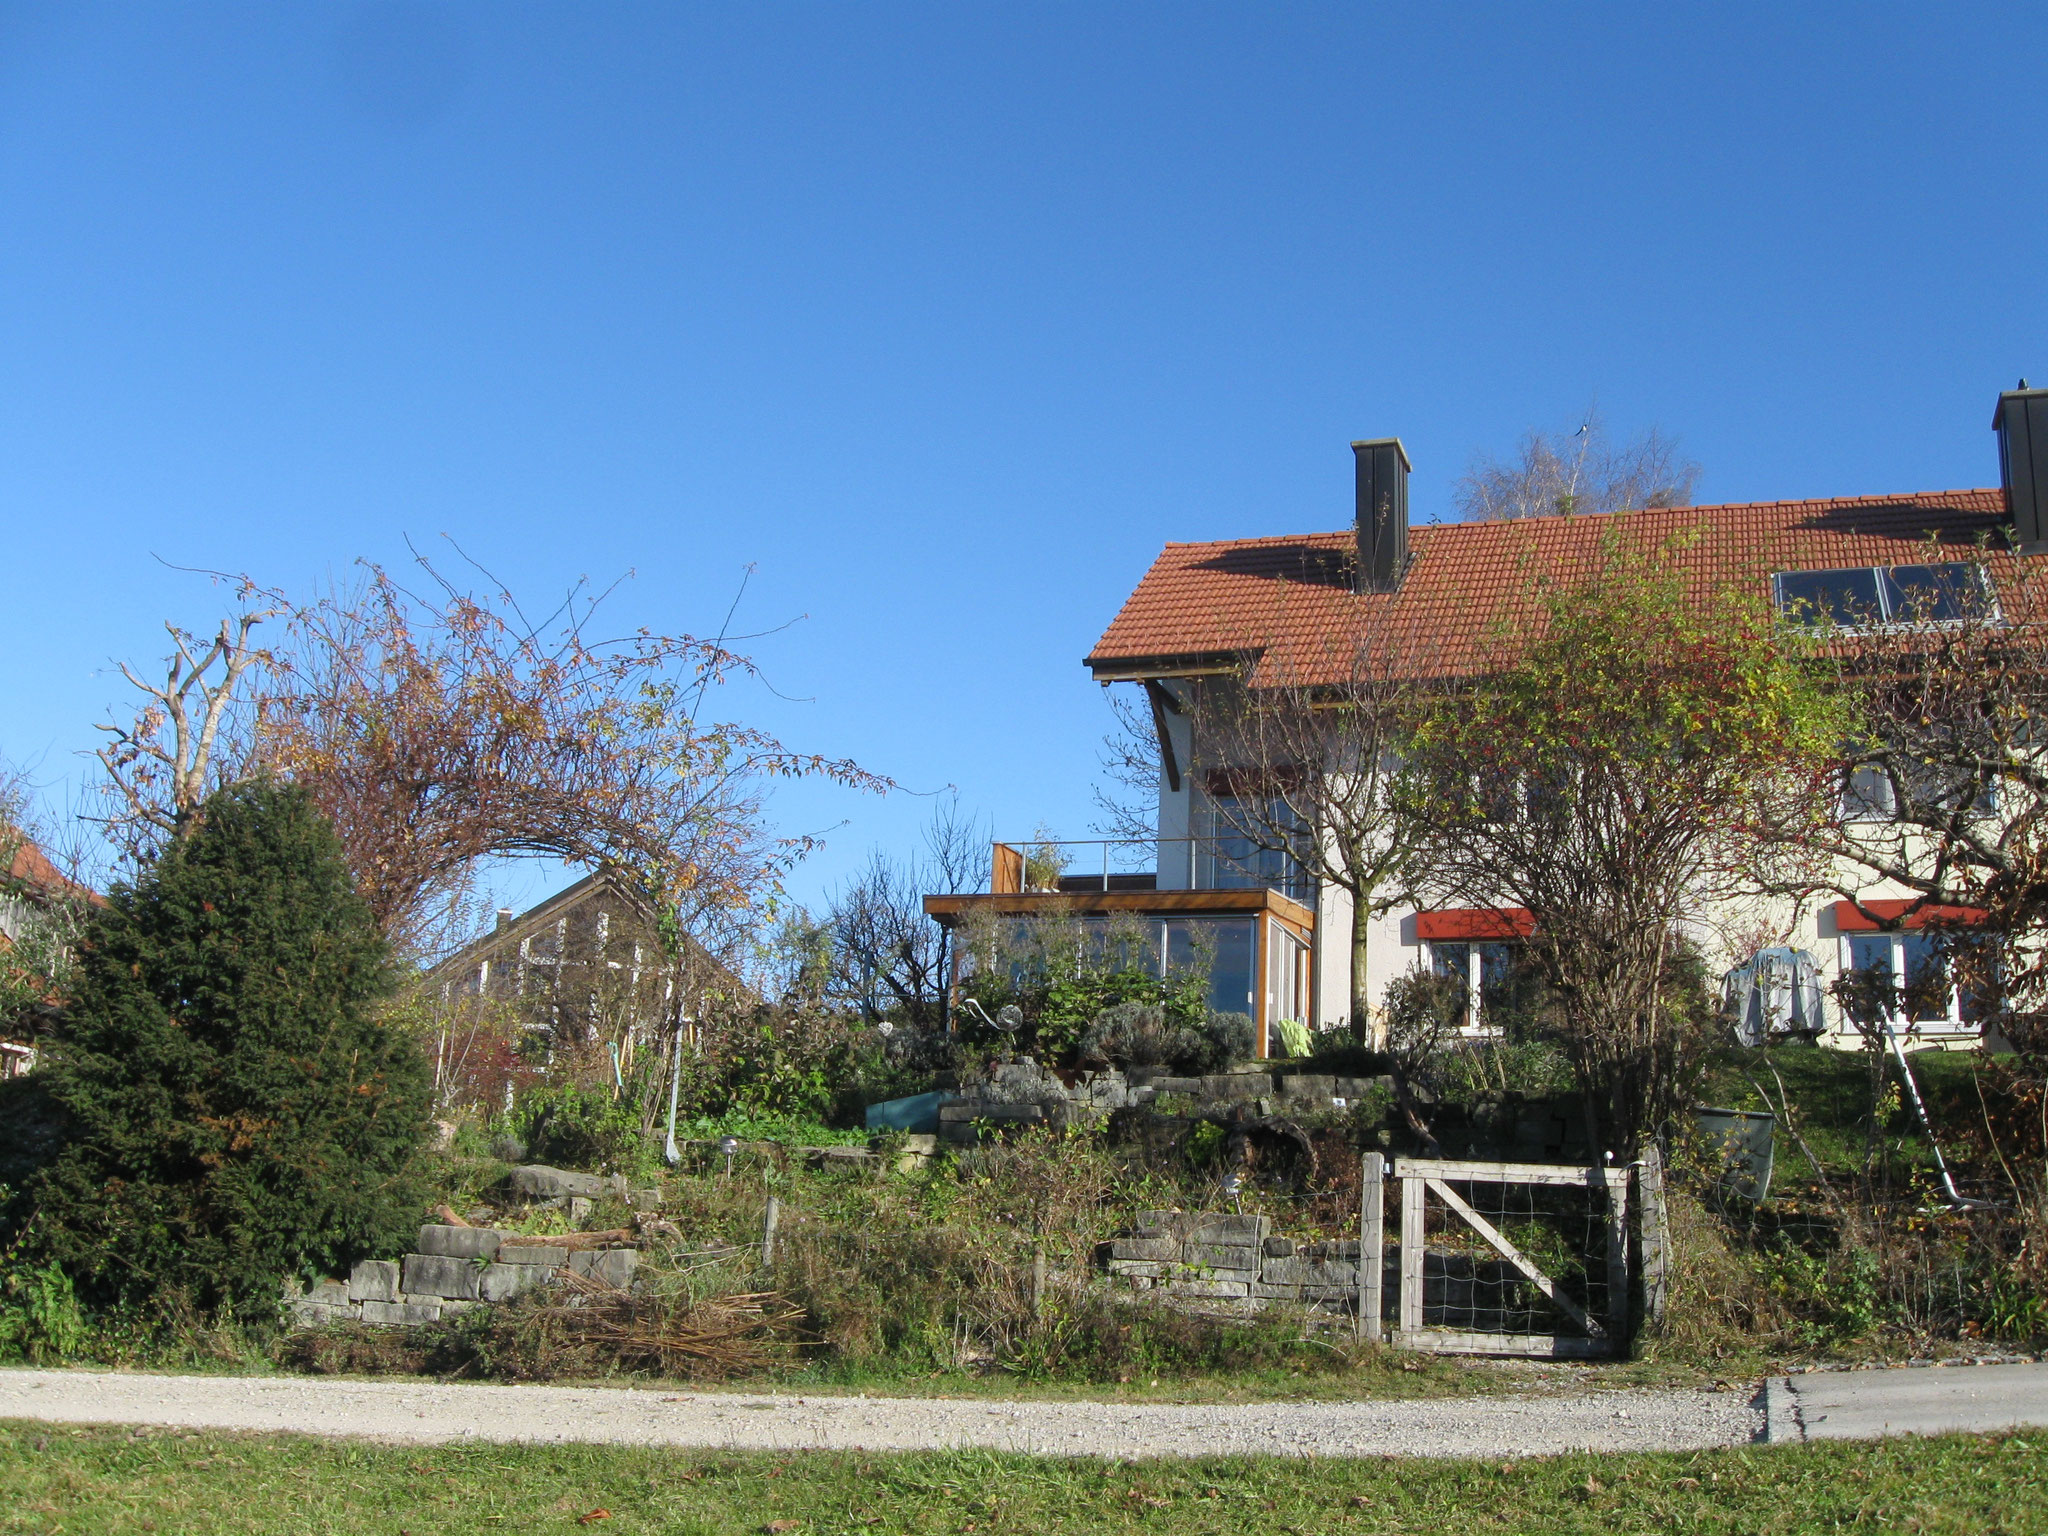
(1849, 920)
(1476, 923)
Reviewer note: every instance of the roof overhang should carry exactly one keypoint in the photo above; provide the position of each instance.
(1138, 669)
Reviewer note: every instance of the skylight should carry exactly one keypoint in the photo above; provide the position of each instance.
(1863, 595)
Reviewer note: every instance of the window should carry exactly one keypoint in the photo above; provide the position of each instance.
(1482, 971)
(1860, 596)
(1286, 975)
(1906, 976)
(1842, 599)
(1228, 860)
(1868, 792)
(1223, 947)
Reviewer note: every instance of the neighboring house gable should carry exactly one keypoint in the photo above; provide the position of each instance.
(589, 958)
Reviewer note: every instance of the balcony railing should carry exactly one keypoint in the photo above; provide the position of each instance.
(1227, 862)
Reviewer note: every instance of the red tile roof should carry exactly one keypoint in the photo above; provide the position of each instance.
(1289, 602)
(29, 870)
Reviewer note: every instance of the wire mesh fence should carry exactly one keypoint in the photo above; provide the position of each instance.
(1510, 1258)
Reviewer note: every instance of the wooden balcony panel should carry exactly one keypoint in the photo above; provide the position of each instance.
(1237, 903)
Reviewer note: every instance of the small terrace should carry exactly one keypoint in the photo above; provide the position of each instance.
(1245, 913)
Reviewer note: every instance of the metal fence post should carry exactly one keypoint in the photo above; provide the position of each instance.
(1372, 1245)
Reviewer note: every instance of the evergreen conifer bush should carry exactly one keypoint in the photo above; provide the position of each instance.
(236, 1111)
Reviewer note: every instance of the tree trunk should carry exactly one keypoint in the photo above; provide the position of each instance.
(1361, 988)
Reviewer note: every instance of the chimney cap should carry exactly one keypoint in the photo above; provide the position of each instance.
(1381, 442)
(2022, 393)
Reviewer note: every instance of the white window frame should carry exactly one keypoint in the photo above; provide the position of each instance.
(1475, 970)
(1951, 1026)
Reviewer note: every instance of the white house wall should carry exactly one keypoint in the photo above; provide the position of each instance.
(1726, 930)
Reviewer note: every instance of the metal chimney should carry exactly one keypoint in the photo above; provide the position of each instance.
(2021, 422)
(1383, 512)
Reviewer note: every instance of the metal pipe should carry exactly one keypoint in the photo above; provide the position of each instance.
(672, 1152)
(1956, 1198)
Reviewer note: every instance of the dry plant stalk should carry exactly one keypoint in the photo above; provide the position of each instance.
(719, 1335)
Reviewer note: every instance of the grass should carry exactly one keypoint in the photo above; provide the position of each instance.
(115, 1481)
(1830, 1096)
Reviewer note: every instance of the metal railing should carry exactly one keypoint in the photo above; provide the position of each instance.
(1224, 862)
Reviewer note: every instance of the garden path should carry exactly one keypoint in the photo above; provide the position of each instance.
(1526, 1424)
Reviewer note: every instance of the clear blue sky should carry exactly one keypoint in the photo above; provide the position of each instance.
(947, 317)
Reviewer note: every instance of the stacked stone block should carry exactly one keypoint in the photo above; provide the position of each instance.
(1024, 1093)
(1209, 1256)
(1286, 1093)
(455, 1268)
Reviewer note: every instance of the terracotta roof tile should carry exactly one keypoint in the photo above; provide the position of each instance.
(29, 870)
(1289, 599)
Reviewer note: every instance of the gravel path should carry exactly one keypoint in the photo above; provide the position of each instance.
(390, 1410)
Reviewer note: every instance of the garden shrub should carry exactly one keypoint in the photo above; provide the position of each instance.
(39, 1318)
(1132, 1034)
(576, 1127)
(236, 1111)
(1140, 1034)
(1227, 1039)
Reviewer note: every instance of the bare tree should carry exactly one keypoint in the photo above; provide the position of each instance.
(165, 762)
(1579, 472)
(889, 960)
(1304, 771)
(441, 727)
(1128, 794)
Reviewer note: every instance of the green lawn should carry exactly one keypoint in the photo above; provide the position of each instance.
(115, 1481)
(1830, 1096)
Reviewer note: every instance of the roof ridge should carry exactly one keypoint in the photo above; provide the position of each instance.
(1895, 498)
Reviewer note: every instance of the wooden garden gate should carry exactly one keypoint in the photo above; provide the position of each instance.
(1499, 1258)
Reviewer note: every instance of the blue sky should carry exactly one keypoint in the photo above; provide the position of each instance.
(945, 318)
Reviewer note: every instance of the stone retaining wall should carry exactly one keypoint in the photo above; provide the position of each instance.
(1210, 1256)
(455, 1268)
(1025, 1093)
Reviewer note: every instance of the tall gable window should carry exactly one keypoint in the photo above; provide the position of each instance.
(1860, 596)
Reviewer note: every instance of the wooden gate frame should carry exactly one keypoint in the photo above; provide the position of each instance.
(1603, 1336)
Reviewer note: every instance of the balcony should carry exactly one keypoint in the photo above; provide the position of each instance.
(1245, 914)
(1226, 862)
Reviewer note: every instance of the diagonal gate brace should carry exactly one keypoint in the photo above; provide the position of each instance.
(1514, 1256)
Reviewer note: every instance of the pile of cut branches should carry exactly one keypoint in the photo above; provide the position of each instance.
(674, 1333)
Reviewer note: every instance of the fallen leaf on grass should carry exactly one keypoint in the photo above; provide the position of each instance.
(593, 1517)
(1687, 1483)
(777, 1527)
